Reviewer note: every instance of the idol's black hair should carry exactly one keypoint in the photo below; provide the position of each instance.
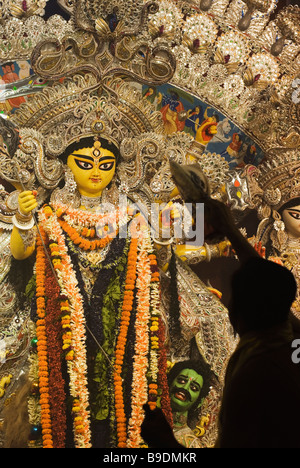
(290, 204)
(88, 142)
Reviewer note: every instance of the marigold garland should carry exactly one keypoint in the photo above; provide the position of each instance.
(140, 365)
(154, 328)
(84, 243)
(121, 343)
(64, 307)
(158, 388)
(43, 374)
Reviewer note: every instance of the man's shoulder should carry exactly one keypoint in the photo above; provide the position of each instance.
(272, 367)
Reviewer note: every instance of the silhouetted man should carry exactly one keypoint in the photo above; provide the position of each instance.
(261, 399)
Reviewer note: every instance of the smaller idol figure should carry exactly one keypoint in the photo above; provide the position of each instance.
(189, 383)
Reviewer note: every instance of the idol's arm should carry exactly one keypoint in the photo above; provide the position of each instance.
(192, 255)
(22, 242)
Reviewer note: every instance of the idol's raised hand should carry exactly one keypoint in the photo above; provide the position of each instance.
(27, 202)
(22, 240)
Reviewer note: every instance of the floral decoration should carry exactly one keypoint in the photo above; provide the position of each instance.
(128, 276)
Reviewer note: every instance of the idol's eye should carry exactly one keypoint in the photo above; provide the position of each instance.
(106, 166)
(181, 380)
(294, 215)
(83, 164)
(195, 388)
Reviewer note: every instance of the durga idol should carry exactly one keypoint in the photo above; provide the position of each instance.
(99, 335)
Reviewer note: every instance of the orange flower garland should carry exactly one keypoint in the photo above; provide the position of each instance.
(139, 395)
(66, 326)
(82, 242)
(121, 343)
(158, 364)
(64, 307)
(42, 345)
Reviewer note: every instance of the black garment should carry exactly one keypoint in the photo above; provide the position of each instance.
(261, 399)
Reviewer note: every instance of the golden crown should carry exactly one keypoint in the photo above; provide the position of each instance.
(275, 183)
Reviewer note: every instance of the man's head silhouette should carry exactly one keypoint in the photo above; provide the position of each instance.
(262, 295)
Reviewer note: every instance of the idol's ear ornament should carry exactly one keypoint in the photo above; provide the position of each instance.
(68, 195)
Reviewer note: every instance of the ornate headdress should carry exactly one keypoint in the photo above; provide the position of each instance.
(270, 186)
(280, 178)
(229, 54)
(267, 189)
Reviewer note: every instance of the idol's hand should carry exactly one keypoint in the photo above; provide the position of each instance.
(27, 202)
(22, 241)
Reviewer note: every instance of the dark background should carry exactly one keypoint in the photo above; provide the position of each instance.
(52, 8)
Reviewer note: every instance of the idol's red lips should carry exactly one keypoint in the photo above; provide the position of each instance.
(180, 395)
(95, 179)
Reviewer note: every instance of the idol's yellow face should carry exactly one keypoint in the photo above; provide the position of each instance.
(291, 219)
(93, 169)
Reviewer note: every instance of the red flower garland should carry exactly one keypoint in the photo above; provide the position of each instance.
(56, 381)
(121, 343)
(162, 375)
